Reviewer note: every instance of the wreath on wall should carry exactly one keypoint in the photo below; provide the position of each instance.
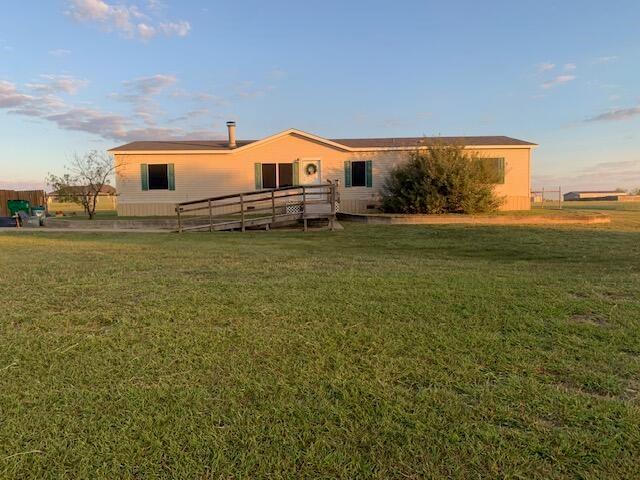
(311, 169)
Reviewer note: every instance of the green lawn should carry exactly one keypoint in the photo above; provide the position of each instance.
(374, 352)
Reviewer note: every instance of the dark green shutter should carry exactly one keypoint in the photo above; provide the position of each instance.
(369, 173)
(347, 173)
(296, 172)
(171, 176)
(500, 169)
(144, 176)
(258, 169)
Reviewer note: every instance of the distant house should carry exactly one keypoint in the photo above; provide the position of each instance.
(594, 195)
(59, 200)
(152, 176)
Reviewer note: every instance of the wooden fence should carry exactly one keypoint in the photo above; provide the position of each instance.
(35, 197)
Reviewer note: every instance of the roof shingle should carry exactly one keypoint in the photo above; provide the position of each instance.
(402, 142)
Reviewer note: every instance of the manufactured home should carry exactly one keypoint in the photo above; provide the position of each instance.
(153, 176)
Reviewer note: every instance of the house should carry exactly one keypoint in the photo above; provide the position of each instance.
(594, 195)
(59, 200)
(152, 176)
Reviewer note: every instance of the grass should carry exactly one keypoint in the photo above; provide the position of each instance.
(375, 352)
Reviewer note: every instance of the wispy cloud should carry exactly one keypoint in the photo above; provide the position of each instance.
(605, 59)
(108, 125)
(58, 84)
(146, 119)
(617, 114)
(545, 66)
(140, 92)
(558, 80)
(59, 52)
(602, 175)
(569, 67)
(129, 20)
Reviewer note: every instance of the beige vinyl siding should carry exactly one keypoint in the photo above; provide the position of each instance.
(200, 176)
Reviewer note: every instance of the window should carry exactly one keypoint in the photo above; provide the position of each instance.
(358, 174)
(159, 176)
(274, 175)
(495, 166)
(285, 174)
(268, 175)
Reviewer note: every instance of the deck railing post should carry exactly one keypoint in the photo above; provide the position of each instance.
(210, 217)
(179, 221)
(332, 220)
(242, 213)
(273, 207)
(304, 208)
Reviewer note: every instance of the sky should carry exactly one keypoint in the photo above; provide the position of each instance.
(79, 75)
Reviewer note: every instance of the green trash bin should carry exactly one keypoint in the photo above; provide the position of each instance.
(16, 206)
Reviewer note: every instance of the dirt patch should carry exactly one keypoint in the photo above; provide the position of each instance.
(631, 391)
(591, 318)
(616, 296)
(577, 295)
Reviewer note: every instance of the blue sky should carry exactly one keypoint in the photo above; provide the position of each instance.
(92, 74)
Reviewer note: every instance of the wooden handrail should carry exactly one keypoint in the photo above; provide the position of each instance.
(255, 192)
(252, 200)
(268, 199)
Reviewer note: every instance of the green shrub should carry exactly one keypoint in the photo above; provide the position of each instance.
(442, 179)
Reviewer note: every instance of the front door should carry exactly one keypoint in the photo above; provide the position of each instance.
(310, 173)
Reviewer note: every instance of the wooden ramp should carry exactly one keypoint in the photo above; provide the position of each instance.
(261, 209)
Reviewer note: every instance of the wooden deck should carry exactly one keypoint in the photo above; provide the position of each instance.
(261, 209)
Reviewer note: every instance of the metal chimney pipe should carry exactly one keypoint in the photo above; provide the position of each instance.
(231, 126)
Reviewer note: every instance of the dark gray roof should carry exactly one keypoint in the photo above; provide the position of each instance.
(179, 145)
(406, 142)
(410, 142)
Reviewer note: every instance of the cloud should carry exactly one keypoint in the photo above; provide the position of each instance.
(619, 114)
(129, 20)
(545, 67)
(108, 125)
(58, 84)
(151, 85)
(59, 52)
(22, 185)
(140, 92)
(145, 118)
(559, 80)
(277, 73)
(146, 32)
(569, 67)
(602, 175)
(10, 96)
(606, 59)
(180, 28)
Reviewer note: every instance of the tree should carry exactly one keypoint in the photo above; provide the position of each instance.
(84, 180)
(442, 179)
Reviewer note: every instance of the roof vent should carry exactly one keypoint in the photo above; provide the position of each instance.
(231, 126)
